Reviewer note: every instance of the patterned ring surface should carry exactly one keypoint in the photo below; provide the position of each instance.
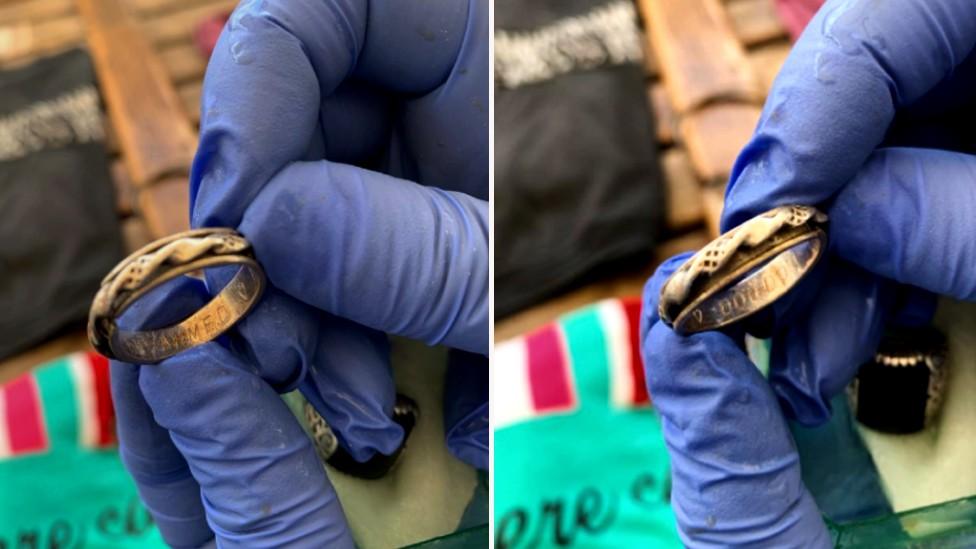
(743, 270)
(159, 262)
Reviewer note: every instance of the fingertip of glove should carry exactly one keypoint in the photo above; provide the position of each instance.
(281, 337)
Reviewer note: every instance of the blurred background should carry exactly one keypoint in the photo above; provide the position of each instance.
(150, 57)
(612, 146)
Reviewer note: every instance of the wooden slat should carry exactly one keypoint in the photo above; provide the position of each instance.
(767, 60)
(111, 138)
(156, 138)
(35, 10)
(135, 234)
(713, 199)
(20, 42)
(165, 206)
(685, 243)
(125, 192)
(183, 63)
(684, 205)
(714, 136)
(699, 56)
(664, 115)
(147, 8)
(755, 21)
(190, 97)
(650, 60)
(179, 25)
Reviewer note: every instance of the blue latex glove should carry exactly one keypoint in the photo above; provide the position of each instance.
(866, 121)
(348, 141)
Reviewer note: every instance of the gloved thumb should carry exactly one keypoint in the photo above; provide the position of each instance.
(383, 252)
(908, 216)
(735, 469)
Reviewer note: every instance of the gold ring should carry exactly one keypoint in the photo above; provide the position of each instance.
(159, 262)
(743, 270)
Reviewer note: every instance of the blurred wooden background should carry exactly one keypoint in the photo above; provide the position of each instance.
(150, 75)
(709, 66)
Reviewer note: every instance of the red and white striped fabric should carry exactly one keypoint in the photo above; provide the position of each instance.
(22, 429)
(537, 374)
(70, 397)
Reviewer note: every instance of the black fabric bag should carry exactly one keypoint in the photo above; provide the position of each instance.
(59, 234)
(577, 180)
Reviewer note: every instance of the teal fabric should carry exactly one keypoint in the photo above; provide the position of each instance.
(595, 477)
(69, 495)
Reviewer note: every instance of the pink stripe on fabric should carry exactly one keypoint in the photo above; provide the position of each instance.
(549, 376)
(24, 416)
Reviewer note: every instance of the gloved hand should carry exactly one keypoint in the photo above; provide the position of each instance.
(348, 141)
(866, 120)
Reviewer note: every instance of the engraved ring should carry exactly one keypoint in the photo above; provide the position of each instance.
(743, 270)
(159, 262)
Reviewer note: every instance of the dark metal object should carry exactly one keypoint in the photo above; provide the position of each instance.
(159, 262)
(744, 270)
(405, 413)
(901, 390)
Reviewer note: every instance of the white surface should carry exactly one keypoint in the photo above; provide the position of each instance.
(428, 490)
(939, 463)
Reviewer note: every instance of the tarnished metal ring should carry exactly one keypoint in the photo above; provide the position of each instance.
(743, 270)
(159, 262)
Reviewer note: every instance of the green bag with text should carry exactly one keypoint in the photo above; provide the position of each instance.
(580, 460)
(62, 483)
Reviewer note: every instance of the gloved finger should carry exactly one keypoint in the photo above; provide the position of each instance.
(273, 64)
(907, 216)
(342, 368)
(466, 408)
(735, 470)
(261, 481)
(857, 63)
(350, 384)
(165, 484)
(817, 353)
(389, 254)
(259, 477)
(278, 337)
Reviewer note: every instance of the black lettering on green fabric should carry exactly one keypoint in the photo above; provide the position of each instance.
(554, 510)
(507, 535)
(645, 490)
(27, 540)
(108, 522)
(60, 535)
(137, 518)
(589, 507)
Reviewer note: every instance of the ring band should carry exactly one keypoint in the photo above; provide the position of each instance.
(743, 270)
(159, 262)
